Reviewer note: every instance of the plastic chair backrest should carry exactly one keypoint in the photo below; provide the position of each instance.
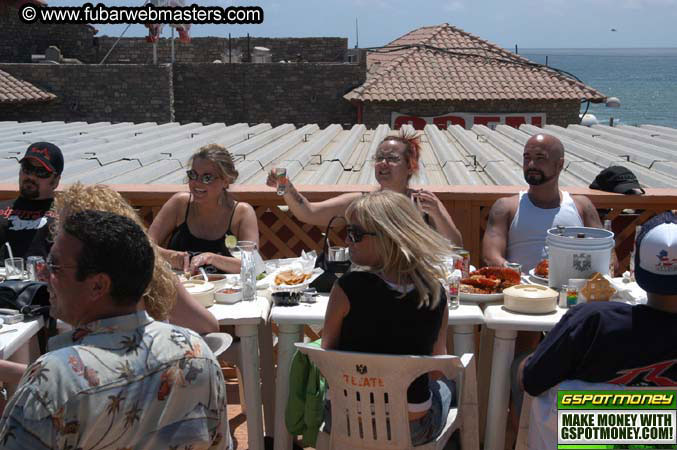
(218, 342)
(368, 393)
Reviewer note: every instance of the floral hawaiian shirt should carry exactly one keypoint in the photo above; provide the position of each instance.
(120, 383)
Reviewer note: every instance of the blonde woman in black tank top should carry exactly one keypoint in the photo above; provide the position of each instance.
(396, 305)
(191, 227)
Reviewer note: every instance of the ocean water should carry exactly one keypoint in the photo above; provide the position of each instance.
(644, 79)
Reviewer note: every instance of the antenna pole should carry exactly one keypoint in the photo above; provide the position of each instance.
(357, 35)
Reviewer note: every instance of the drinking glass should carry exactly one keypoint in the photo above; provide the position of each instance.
(281, 175)
(452, 280)
(337, 254)
(517, 267)
(247, 269)
(14, 268)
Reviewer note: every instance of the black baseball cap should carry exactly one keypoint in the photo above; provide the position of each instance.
(47, 154)
(617, 179)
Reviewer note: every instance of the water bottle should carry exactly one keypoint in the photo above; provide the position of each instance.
(247, 269)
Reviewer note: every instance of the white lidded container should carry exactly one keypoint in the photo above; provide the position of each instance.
(577, 252)
(530, 299)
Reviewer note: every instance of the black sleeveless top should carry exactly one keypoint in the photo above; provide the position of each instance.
(183, 240)
(380, 322)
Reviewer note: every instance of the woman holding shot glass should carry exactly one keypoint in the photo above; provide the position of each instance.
(396, 160)
(202, 227)
(396, 305)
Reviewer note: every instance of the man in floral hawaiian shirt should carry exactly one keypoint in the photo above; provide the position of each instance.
(119, 379)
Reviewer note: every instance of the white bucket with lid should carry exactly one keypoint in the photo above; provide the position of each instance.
(573, 256)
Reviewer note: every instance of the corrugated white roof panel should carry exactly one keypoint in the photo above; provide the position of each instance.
(149, 153)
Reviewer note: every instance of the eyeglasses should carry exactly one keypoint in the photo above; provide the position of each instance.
(54, 268)
(356, 234)
(390, 159)
(205, 178)
(30, 169)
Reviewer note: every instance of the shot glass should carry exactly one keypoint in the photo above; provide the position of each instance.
(14, 268)
(281, 175)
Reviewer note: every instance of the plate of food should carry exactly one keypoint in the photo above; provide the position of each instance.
(487, 284)
(540, 272)
(286, 279)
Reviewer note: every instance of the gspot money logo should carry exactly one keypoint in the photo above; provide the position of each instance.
(617, 419)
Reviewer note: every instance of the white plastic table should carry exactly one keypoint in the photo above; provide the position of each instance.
(20, 346)
(290, 321)
(251, 320)
(506, 325)
(16, 345)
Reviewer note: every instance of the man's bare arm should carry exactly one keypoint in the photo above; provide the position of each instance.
(495, 240)
(588, 212)
(591, 219)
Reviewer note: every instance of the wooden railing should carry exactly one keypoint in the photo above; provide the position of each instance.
(284, 236)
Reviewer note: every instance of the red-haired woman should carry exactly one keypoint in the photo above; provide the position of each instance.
(395, 162)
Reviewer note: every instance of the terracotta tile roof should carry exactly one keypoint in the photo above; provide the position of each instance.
(445, 63)
(14, 90)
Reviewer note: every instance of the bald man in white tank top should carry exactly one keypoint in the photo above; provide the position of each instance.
(517, 225)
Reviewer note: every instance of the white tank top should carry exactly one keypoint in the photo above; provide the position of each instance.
(526, 236)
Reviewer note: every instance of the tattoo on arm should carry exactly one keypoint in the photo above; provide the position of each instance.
(496, 213)
(297, 195)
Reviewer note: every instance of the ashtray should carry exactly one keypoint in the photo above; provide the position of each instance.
(309, 295)
(284, 298)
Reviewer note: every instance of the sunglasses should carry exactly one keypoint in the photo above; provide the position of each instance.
(206, 178)
(50, 267)
(390, 159)
(356, 234)
(30, 169)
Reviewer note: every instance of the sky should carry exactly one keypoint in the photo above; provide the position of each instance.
(526, 23)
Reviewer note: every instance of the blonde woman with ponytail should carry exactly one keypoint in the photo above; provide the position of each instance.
(396, 305)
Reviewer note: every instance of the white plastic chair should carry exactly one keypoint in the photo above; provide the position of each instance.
(225, 349)
(218, 342)
(542, 411)
(373, 414)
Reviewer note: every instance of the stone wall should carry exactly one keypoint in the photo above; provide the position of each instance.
(19, 40)
(557, 112)
(266, 93)
(92, 93)
(208, 49)
(254, 93)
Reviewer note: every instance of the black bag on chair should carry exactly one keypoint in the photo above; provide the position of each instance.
(30, 298)
(326, 281)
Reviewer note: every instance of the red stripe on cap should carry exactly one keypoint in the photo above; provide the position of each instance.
(44, 164)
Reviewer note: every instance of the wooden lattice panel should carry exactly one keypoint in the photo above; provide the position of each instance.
(284, 236)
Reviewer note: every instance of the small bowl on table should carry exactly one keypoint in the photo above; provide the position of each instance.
(219, 280)
(228, 295)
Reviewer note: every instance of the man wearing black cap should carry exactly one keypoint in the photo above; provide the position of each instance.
(24, 222)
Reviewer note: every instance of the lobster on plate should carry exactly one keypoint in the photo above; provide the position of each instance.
(542, 268)
(490, 280)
